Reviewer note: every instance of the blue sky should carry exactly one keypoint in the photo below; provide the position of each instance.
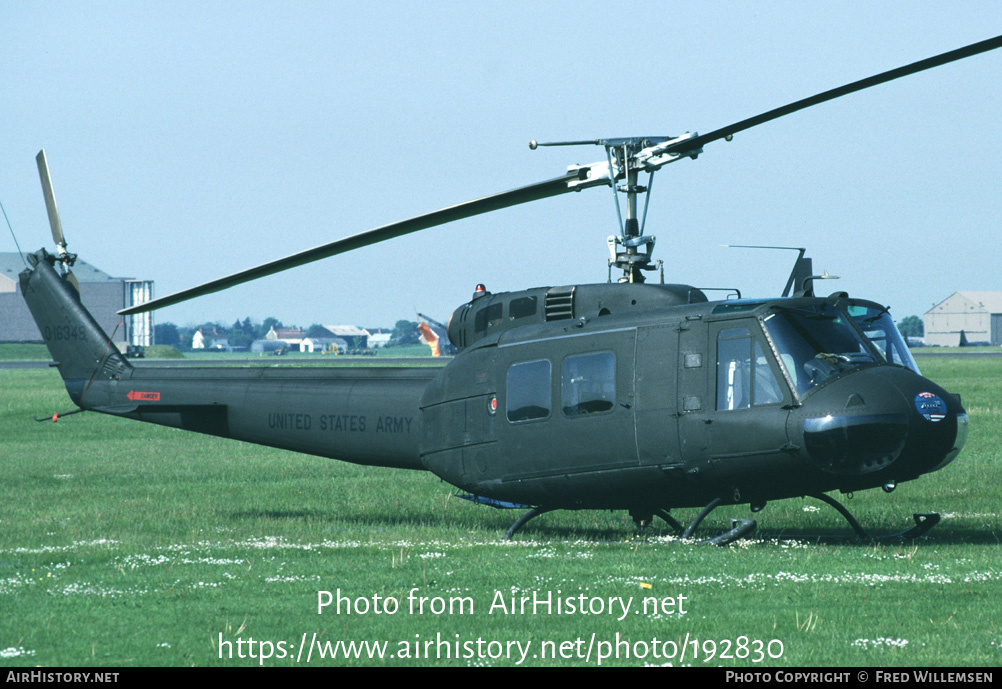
(191, 140)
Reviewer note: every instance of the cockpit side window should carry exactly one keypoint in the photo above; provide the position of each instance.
(744, 377)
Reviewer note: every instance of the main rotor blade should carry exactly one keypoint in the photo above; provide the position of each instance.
(697, 142)
(572, 181)
(575, 180)
(50, 200)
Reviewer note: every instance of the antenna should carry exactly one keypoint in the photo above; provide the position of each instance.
(802, 267)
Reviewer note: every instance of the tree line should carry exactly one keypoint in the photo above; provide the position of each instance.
(242, 334)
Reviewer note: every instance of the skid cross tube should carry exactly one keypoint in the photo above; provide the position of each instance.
(923, 522)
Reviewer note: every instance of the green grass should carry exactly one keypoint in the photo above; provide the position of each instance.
(979, 349)
(125, 544)
(20, 351)
(162, 352)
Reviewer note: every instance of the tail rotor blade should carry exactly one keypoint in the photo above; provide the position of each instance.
(72, 279)
(50, 201)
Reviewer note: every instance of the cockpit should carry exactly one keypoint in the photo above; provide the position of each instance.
(818, 340)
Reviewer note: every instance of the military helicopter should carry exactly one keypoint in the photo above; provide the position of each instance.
(626, 395)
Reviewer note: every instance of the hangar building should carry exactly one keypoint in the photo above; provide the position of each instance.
(101, 294)
(978, 315)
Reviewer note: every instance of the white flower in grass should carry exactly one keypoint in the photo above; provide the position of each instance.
(12, 652)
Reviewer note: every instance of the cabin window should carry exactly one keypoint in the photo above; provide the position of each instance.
(488, 317)
(528, 391)
(588, 383)
(522, 308)
(744, 378)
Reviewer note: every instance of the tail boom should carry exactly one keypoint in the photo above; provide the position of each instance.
(362, 415)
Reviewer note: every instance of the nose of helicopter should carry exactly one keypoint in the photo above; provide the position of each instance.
(881, 418)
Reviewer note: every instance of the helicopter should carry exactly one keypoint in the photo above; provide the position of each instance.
(625, 395)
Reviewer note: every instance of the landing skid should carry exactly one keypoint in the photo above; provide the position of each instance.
(668, 519)
(923, 522)
(523, 520)
(643, 519)
(739, 527)
(742, 527)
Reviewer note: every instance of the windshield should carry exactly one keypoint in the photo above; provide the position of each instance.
(877, 324)
(815, 343)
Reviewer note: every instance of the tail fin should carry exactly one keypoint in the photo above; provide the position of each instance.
(82, 351)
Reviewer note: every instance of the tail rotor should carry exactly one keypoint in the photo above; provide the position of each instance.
(65, 257)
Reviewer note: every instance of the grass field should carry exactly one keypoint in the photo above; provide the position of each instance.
(125, 544)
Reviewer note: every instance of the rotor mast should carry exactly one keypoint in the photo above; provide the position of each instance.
(637, 248)
(631, 251)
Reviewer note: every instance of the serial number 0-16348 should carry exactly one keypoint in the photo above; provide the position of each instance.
(64, 332)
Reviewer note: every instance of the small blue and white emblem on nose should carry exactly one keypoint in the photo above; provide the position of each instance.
(930, 406)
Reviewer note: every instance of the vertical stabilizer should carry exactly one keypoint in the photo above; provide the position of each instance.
(83, 352)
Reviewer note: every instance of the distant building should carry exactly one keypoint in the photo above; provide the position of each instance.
(291, 336)
(355, 337)
(322, 344)
(211, 338)
(379, 340)
(978, 315)
(100, 293)
(266, 346)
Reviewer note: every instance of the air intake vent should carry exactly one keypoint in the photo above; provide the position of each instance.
(559, 303)
(113, 367)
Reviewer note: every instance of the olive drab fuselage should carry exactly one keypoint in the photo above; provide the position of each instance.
(630, 396)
